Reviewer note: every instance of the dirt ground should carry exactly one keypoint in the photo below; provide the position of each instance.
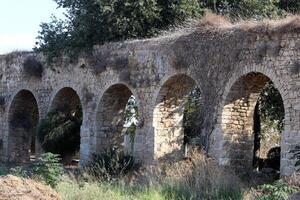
(15, 188)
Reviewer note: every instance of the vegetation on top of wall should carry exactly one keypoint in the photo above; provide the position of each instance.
(33, 67)
(91, 22)
(245, 9)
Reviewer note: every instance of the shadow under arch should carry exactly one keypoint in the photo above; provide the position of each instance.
(23, 118)
(237, 120)
(168, 116)
(65, 97)
(109, 123)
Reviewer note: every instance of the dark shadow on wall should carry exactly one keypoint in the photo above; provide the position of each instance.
(23, 119)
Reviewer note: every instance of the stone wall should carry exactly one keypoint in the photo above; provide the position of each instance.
(229, 66)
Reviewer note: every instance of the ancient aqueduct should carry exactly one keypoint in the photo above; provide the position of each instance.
(230, 67)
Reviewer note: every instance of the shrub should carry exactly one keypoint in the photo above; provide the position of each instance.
(20, 172)
(33, 67)
(110, 165)
(279, 190)
(48, 169)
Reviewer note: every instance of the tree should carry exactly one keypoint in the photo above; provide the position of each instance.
(271, 106)
(91, 22)
(191, 114)
(245, 9)
(291, 6)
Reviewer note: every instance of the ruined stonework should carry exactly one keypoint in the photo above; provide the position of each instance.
(229, 65)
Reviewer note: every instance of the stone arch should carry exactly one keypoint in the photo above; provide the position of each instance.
(110, 117)
(65, 96)
(67, 100)
(168, 116)
(280, 86)
(236, 119)
(23, 118)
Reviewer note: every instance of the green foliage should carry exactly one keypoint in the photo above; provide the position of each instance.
(91, 22)
(173, 12)
(110, 165)
(271, 110)
(20, 172)
(271, 104)
(53, 38)
(244, 9)
(48, 169)
(296, 156)
(292, 6)
(279, 190)
(190, 116)
(59, 132)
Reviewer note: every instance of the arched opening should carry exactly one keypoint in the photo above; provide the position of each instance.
(23, 119)
(116, 120)
(176, 108)
(252, 105)
(59, 131)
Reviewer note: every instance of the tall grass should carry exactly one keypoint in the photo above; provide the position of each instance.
(197, 178)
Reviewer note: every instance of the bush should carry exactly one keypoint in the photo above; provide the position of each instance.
(20, 172)
(110, 165)
(48, 169)
(33, 67)
(279, 190)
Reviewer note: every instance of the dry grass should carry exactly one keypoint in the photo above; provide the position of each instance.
(199, 177)
(217, 23)
(15, 188)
